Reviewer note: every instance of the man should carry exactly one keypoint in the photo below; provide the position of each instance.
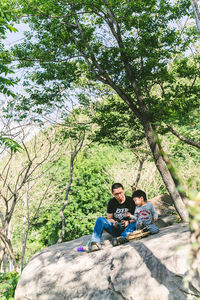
(117, 224)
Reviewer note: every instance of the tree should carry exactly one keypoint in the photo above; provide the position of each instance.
(7, 15)
(6, 19)
(14, 178)
(117, 126)
(195, 8)
(125, 45)
(74, 133)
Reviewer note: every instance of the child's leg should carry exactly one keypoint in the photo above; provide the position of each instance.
(139, 225)
(153, 228)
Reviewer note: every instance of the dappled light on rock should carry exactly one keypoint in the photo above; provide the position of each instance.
(154, 267)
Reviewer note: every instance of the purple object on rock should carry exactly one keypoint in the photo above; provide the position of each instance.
(81, 249)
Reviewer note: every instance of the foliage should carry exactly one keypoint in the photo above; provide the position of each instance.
(126, 46)
(137, 50)
(8, 283)
(88, 196)
(6, 19)
(9, 143)
(87, 42)
(96, 169)
(116, 124)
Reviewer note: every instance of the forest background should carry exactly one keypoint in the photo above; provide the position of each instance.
(109, 92)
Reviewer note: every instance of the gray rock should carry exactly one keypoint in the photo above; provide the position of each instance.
(153, 268)
(167, 214)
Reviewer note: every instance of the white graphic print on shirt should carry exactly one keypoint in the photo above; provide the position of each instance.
(120, 213)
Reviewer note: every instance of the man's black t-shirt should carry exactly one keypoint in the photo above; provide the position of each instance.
(119, 210)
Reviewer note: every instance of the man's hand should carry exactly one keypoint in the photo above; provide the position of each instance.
(155, 219)
(116, 225)
(124, 223)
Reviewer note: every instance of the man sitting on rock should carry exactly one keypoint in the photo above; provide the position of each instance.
(117, 224)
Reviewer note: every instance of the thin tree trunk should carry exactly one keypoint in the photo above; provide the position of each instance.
(2, 253)
(77, 148)
(194, 209)
(141, 162)
(25, 222)
(195, 8)
(9, 248)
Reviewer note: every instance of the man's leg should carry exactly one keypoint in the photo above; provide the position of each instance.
(130, 228)
(101, 224)
(122, 238)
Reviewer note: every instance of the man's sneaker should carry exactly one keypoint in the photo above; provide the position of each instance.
(94, 246)
(119, 240)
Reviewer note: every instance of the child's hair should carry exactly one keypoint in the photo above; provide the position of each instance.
(139, 193)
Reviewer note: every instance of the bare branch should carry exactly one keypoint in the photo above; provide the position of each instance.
(184, 139)
(9, 248)
(141, 162)
(74, 154)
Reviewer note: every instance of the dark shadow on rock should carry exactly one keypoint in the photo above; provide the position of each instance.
(163, 275)
(109, 262)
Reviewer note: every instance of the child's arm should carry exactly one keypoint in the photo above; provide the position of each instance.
(154, 213)
(132, 217)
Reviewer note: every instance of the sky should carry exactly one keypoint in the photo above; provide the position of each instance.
(16, 37)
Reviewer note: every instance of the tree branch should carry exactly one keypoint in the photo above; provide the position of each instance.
(141, 162)
(77, 148)
(184, 139)
(8, 246)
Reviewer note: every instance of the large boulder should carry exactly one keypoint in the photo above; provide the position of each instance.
(153, 268)
(166, 211)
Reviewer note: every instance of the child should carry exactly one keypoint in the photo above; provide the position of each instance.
(145, 213)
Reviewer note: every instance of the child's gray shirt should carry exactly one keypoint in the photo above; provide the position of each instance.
(145, 214)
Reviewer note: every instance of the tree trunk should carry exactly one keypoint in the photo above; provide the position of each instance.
(156, 150)
(141, 162)
(164, 171)
(74, 154)
(9, 248)
(2, 253)
(195, 8)
(194, 210)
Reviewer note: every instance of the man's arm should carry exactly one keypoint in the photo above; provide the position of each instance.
(124, 223)
(110, 218)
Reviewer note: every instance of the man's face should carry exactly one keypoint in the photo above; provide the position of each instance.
(119, 195)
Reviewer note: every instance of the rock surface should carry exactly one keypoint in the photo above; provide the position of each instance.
(165, 209)
(152, 268)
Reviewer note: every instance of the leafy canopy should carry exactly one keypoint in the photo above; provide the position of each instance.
(6, 18)
(112, 42)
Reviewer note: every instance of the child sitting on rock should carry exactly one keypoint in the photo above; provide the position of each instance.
(145, 214)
